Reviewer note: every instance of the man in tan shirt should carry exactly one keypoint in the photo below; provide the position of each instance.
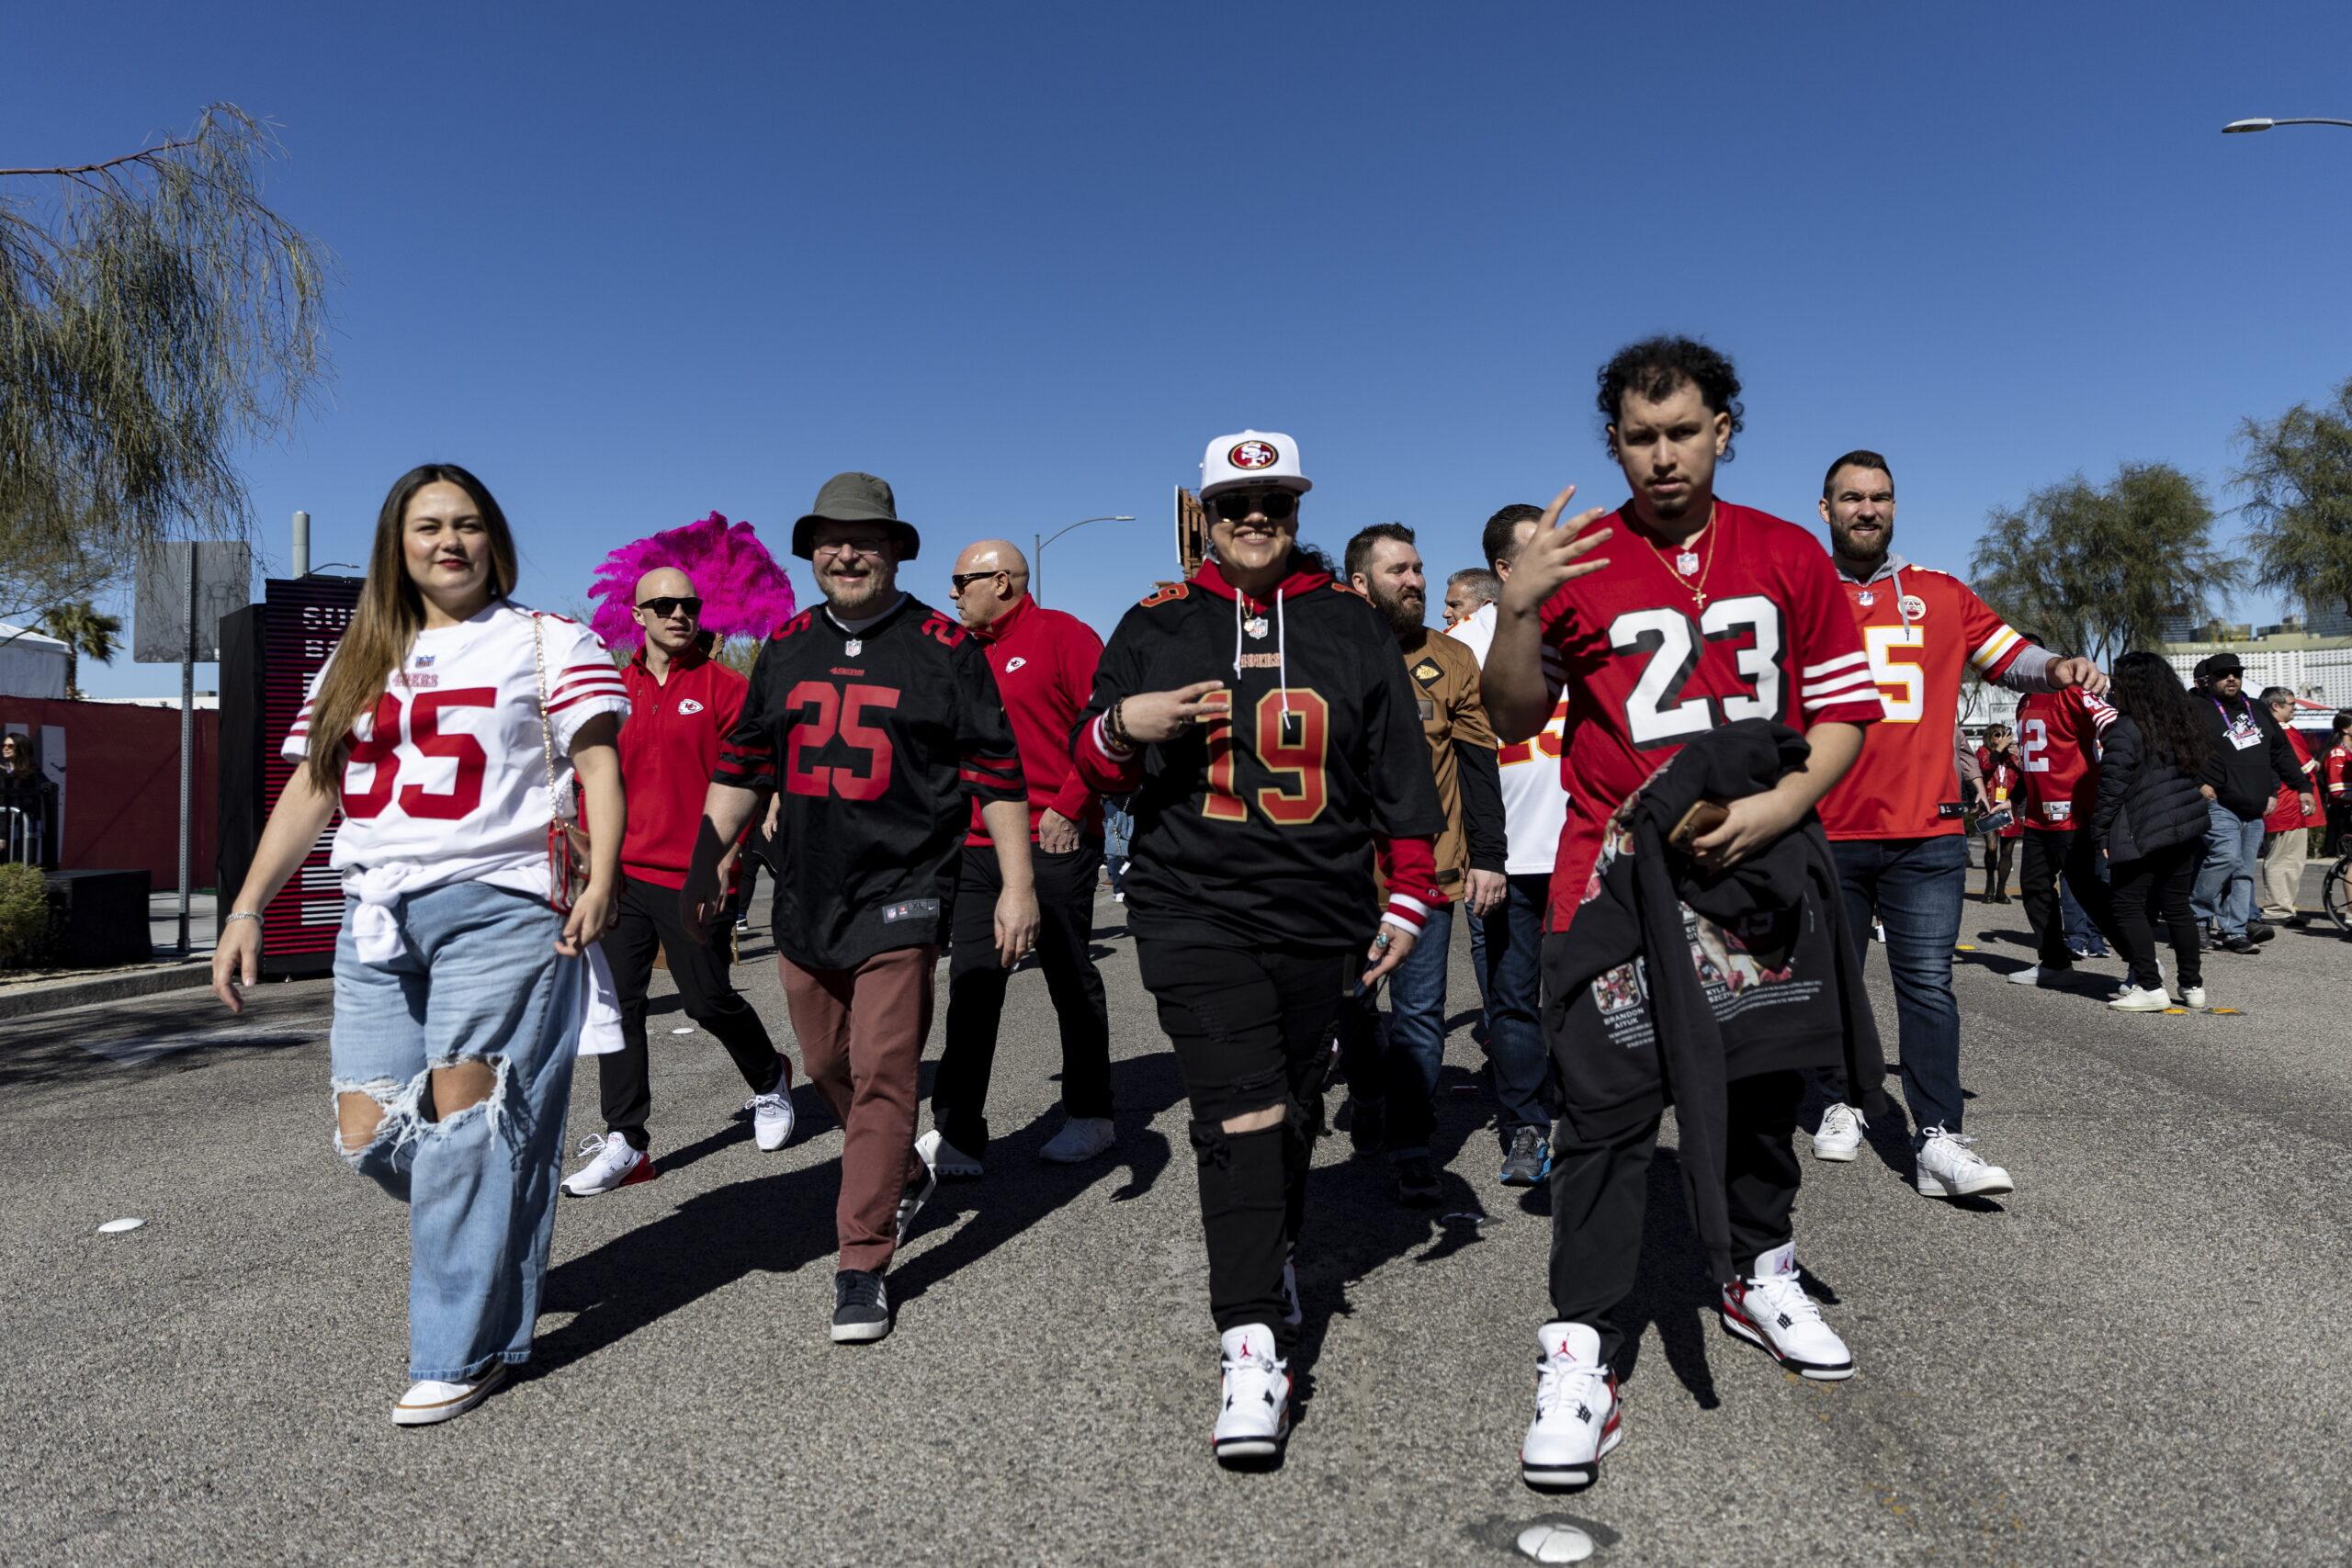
(1392, 1071)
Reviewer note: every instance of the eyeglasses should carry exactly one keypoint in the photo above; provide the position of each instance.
(870, 548)
(960, 581)
(667, 606)
(1275, 505)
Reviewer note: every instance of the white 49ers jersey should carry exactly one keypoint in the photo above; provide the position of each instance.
(449, 775)
(1535, 802)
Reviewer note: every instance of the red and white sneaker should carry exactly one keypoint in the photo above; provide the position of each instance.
(1577, 1413)
(1253, 1404)
(611, 1163)
(1770, 1308)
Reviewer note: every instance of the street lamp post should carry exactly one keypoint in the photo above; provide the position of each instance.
(2244, 127)
(1037, 556)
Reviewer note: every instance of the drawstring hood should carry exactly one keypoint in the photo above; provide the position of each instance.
(1300, 579)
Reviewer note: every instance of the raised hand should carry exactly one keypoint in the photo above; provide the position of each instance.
(1553, 553)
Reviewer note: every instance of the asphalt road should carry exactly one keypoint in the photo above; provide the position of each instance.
(2139, 1358)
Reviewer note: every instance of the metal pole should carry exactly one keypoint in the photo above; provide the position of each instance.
(187, 742)
(301, 544)
(1037, 567)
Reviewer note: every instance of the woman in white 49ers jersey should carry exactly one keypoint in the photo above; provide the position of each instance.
(448, 727)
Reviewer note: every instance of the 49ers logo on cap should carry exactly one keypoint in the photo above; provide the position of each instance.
(1254, 455)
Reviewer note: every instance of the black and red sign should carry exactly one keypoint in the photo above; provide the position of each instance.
(302, 620)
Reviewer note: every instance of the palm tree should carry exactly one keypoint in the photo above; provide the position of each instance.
(83, 630)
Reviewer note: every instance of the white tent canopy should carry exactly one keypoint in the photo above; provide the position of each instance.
(31, 665)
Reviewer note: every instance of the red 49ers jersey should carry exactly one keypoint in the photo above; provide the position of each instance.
(2057, 732)
(1646, 668)
(1920, 627)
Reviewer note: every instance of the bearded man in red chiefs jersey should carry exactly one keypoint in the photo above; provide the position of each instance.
(1895, 820)
(1703, 613)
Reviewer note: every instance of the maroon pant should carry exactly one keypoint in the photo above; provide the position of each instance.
(861, 1032)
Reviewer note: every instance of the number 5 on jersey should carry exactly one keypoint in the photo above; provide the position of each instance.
(1291, 743)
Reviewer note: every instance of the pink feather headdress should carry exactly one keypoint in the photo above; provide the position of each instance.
(744, 592)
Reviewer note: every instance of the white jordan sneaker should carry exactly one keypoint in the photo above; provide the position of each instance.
(1839, 1136)
(1950, 1169)
(952, 1162)
(611, 1163)
(1081, 1139)
(1769, 1308)
(1576, 1416)
(429, 1403)
(1253, 1405)
(772, 1116)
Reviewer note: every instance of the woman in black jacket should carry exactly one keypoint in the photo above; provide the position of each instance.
(2150, 824)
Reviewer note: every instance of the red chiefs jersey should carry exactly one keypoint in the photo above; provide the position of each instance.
(1646, 668)
(2286, 810)
(1921, 629)
(2057, 744)
(2336, 778)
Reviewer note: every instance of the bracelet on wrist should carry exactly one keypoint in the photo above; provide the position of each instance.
(1114, 723)
(235, 915)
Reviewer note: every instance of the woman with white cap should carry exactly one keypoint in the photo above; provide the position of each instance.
(1261, 719)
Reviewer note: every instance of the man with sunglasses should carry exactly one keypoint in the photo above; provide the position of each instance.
(682, 702)
(1044, 662)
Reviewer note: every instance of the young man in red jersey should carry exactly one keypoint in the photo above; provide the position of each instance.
(1895, 818)
(2058, 754)
(1703, 613)
(682, 702)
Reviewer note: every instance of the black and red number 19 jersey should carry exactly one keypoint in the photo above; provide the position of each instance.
(1264, 829)
(1647, 667)
(877, 740)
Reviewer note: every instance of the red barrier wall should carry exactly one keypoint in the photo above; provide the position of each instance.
(121, 785)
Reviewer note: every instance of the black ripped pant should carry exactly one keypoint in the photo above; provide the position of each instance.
(649, 914)
(977, 978)
(1251, 1027)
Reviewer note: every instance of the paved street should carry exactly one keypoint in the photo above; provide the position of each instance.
(2139, 1358)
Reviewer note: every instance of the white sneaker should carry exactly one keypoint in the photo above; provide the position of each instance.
(1769, 1308)
(916, 1193)
(1950, 1169)
(2193, 996)
(1081, 1139)
(772, 1116)
(1576, 1415)
(2037, 975)
(1839, 1136)
(1878, 931)
(611, 1163)
(952, 1162)
(429, 1403)
(1253, 1405)
(2134, 999)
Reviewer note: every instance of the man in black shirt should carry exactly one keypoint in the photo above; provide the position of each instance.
(2250, 760)
(877, 718)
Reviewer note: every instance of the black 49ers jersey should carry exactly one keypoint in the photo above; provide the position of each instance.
(1263, 828)
(1647, 667)
(877, 739)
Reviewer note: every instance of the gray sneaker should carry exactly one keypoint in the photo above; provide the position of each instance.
(1530, 1160)
(861, 1307)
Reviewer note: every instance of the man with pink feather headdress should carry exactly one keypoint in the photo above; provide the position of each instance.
(682, 702)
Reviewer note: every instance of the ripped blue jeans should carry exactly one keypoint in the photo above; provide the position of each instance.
(480, 981)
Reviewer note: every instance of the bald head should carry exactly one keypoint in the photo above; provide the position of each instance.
(675, 632)
(981, 599)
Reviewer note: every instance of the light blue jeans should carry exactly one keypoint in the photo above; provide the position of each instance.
(480, 981)
(2223, 894)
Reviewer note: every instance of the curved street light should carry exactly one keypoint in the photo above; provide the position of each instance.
(2244, 127)
(1037, 556)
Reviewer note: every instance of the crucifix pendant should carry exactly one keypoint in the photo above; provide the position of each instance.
(1700, 598)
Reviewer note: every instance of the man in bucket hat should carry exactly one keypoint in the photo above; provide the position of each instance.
(876, 719)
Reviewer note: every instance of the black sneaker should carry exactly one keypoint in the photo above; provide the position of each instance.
(2240, 945)
(861, 1307)
(1367, 1125)
(1530, 1160)
(2259, 931)
(1416, 1182)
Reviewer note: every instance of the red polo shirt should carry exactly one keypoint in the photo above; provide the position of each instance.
(1044, 661)
(669, 747)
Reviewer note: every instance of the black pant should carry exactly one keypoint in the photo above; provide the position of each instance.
(2073, 855)
(1998, 854)
(649, 914)
(1251, 1027)
(2156, 887)
(976, 983)
(1600, 1187)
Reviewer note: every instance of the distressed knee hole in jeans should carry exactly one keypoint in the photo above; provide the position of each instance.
(401, 1106)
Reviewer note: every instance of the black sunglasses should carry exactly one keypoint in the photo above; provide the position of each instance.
(666, 606)
(960, 581)
(1275, 505)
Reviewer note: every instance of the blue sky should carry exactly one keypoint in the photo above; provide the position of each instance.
(631, 263)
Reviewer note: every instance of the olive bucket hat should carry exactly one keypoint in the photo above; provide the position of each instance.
(855, 497)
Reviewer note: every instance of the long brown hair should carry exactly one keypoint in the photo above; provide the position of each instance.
(390, 614)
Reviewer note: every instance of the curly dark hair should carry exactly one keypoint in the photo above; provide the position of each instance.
(1657, 366)
(2147, 690)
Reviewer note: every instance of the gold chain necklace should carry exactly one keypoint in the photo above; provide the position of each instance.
(1688, 559)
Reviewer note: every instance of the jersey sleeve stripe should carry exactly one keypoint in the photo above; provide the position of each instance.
(1845, 682)
(1831, 666)
(1866, 705)
(1992, 649)
(619, 701)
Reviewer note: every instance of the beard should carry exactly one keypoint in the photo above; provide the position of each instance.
(851, 597)
(1404, 614)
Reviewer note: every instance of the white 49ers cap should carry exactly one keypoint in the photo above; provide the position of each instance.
(1260, 457)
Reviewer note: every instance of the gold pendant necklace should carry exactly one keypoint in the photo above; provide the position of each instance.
(1688, 559)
